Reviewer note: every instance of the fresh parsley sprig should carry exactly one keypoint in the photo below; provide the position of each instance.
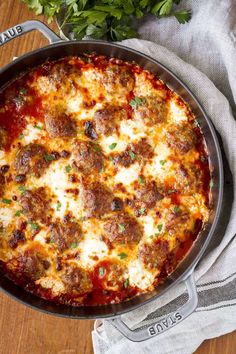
(106, 19)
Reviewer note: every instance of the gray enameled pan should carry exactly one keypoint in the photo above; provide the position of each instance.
(185, 270)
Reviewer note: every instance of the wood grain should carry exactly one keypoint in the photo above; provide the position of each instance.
(23, 330)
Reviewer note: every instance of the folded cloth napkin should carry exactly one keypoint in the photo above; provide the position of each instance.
(208, 42)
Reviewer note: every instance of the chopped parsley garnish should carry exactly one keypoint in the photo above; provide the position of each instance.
(49, 157)
(141, 180)
(68, 168)
(142, 211)
(177, 209)
(6, 201)
(126, 283)
(122, 255)
(34, 226)
(96, 147)
(170, 191)
(121, 227)
(159, 227)
(102, 170)
(132, 155)
(23, 91)
(112, 146)
(73, 245)
(58, 206)
(19, 212)
(82, 218)
(162, 162)
(137, 101)
(21, 136)
(101, 271)
(38, 127)
(52, 240)
(22, 189)
(110, 158)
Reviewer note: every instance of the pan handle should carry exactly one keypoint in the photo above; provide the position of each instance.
(25, 27)
(167, 322)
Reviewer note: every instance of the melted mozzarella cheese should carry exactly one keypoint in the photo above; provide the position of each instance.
(139, 276)
(6, 215)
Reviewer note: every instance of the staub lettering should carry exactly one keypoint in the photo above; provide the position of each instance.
(9, 34)
(163, 325)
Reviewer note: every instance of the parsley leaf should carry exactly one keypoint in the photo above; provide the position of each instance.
(34, 226)
(126, 283)
(122, 255)
(58, 206)
(39, 127)
(105, 19)
(112, 146)
(22, 189)
(162, 162)
(182, 16)
(141, 180)
(101, 271)
(6, 201)
(121, 227)
(142, 211)
(137, 101)
(132, 155)
(68, 168)
(159, 227)
(74, 245)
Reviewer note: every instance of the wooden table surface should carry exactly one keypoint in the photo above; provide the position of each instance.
(25, 331)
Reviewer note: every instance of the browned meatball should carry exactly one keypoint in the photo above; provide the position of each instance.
(88, 157)
(125, 158)
(149, 194)
(118, 76)
(142, 148)
(32, 264)
(153, 255)
(31, 159)
(135, 151)
(16, 237)
(152, 109)
(58, 123)
(60, 72)
(107, 118)
(3, 137)
(177, 221)
(111, 274)
(123, 228)
(96, 199)
(64, 235)
(76, 278)
(35, 204)
(181, 138)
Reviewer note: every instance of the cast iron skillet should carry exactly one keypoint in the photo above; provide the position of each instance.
(185, 271)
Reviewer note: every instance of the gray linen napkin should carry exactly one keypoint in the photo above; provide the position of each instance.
(208, 42)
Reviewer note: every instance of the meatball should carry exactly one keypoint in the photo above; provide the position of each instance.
(31, 159)
(123, 228)
(153, 255)
(134, 152)
(59, 124)
(65, 234)
(149, 194)
(16, 237)
(75, 278)
(32, 264)
(3, 137)
(87, 157)
(181, 138)
(152, 109)
(177, 221)
(60, 72)
(125, 158)
(35, 204)
(96, 199)
(118, 78)
(106, 119)
(142, 148)
(111, 274)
